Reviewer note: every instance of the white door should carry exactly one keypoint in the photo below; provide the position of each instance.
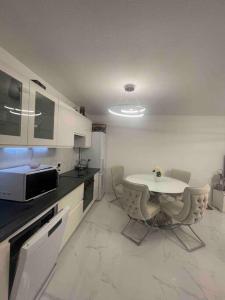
(42, 129)
(14, 97)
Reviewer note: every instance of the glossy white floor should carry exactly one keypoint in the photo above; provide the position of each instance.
(98, 263)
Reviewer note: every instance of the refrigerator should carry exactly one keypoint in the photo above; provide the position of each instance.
(97, 155)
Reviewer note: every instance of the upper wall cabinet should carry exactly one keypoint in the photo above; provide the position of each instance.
(66, 125)
(87, 132)
(83, 128)
(78, 124)
(29, 116)
(82, 124)
(14, 97)
(42, 129)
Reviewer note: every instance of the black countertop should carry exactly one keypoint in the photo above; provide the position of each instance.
(14, 215)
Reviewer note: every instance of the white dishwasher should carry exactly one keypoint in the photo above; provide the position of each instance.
(33, 262)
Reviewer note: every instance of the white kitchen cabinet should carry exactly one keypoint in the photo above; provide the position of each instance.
(72, 198)
(82, 124)
(66, 125)
(42, 127)
(74, 218)
(83, 141)
(87, 143)
(87, 125)
(78, 124)
(30, 116)
(87, 133)
(70, 124)
(4, 269)
(14, 98)
(83, 128)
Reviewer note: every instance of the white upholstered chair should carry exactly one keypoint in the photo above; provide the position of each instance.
(137, 204)
(181, 175)
(188, 211)
(117, 173)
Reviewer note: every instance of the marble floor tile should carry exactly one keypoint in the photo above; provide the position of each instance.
(98, 263)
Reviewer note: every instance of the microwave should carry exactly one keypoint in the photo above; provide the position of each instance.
(24, 183)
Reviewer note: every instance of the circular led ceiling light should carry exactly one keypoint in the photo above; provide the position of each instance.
(128, 110)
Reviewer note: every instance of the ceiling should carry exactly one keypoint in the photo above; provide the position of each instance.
(173, 50)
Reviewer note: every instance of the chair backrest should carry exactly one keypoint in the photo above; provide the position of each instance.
(117, 173)
(135, 199)
(195, 203)
(180, 175)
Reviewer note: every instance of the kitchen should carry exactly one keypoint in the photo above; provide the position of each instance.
(38, 194)
(112, 161)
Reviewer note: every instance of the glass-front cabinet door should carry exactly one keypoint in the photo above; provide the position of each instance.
(14, 97)
(42, 129)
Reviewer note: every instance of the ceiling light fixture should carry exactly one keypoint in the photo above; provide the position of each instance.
(124, 115)
(128, 110)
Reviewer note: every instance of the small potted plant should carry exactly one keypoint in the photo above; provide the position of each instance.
(157, 172)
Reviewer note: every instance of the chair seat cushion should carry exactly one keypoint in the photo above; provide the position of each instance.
(171, 208)
(152, 209)
(119, 190)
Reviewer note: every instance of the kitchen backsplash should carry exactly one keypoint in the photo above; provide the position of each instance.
(10, 157)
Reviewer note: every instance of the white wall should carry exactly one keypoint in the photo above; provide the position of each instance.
(191, 143)
(14, 157)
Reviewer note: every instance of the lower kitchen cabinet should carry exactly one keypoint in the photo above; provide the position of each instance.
(74, 218)
(72, 198)
(4, 269)
(75, 202)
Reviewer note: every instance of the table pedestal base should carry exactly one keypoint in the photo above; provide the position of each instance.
(161, 219)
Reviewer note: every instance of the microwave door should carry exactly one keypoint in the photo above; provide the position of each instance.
(37, 259)
(40, 183)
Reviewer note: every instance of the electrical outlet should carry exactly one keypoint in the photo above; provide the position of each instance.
(59, 166)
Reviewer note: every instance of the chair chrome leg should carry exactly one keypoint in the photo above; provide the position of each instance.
(137, 242)
(201, 243)
(114, 199)
(117, 198)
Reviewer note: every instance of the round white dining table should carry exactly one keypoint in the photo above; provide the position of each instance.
(166, 185)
